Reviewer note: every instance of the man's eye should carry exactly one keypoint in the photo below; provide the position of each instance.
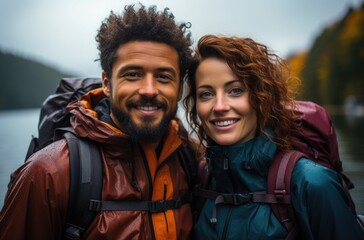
(164, 78)
(132, 75)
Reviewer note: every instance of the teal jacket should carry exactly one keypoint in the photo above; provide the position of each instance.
(317, 196)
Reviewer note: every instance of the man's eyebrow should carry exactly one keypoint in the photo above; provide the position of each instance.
(137, 67)
(129, 67)
(168, 69)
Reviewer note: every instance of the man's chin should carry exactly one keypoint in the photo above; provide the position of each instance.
(148, 133)
(146, 128)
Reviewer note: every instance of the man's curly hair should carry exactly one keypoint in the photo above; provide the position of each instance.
(141, 24)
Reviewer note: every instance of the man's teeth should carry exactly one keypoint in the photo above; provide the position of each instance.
(224, 123)
(147, 108)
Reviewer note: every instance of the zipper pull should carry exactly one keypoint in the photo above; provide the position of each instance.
(226, 162)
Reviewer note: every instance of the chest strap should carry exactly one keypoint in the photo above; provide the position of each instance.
(242, 198)
(150, 206)
(237, 199)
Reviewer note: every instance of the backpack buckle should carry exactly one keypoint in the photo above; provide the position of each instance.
(233, 199)
(94, 205)
(280, 192)
(72, 231)
(158, 206)
(239, 199)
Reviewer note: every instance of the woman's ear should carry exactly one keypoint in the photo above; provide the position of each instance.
(105, 84)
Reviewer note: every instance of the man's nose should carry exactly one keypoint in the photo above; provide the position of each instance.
(148, 86)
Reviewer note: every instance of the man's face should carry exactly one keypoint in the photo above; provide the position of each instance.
(144, 89)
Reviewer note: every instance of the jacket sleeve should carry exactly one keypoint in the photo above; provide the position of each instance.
(320, 203)
(36, 200)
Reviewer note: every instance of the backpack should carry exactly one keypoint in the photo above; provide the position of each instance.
(86, 170)
(316, 141)
(85, 155)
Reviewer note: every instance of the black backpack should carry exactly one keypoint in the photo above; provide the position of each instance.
(85, 157)
(86, 170)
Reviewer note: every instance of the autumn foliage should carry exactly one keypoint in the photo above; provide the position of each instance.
(333, 68)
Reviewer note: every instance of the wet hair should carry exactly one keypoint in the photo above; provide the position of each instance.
(264, 75)
(141, 24)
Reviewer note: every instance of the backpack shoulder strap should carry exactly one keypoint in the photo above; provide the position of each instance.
(279, 182)
(33, 145)
(189, 163)
(86, 172)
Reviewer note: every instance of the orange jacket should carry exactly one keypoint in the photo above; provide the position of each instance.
(36, 203)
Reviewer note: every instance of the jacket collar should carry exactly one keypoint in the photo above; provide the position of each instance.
(241, 167)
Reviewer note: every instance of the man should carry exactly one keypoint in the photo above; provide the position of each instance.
(144, 55)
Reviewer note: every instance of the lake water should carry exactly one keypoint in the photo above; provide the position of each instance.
(17, 128)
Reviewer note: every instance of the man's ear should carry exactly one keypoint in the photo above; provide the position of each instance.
(105, 84)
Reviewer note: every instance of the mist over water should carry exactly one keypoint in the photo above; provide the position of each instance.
(18, 126)
(16, 130)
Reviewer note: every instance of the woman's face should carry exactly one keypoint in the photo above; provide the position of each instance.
(223, 104)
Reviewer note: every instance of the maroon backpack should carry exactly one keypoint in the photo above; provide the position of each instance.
(316, 141)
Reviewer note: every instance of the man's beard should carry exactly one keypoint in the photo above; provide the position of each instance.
(145, 131)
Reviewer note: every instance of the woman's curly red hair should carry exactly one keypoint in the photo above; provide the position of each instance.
(265, 76)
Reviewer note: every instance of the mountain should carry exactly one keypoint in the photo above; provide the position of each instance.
(333, 68)
(25, 83)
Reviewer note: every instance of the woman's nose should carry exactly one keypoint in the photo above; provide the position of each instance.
(221, 104)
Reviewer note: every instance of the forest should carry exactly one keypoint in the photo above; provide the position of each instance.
(25, 83)
(333, 68)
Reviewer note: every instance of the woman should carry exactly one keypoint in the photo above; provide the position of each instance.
(238, 91)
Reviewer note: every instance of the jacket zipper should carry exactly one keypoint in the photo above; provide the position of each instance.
(146, 167)
(164, 198)
(151, 188)
(167, 159)
(165, 183)
(226, 224)
(227, 221)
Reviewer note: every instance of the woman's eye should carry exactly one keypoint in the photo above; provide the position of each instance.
(236, 91)
(205, 95)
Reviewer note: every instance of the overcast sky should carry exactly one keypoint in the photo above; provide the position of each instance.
(62, 33)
